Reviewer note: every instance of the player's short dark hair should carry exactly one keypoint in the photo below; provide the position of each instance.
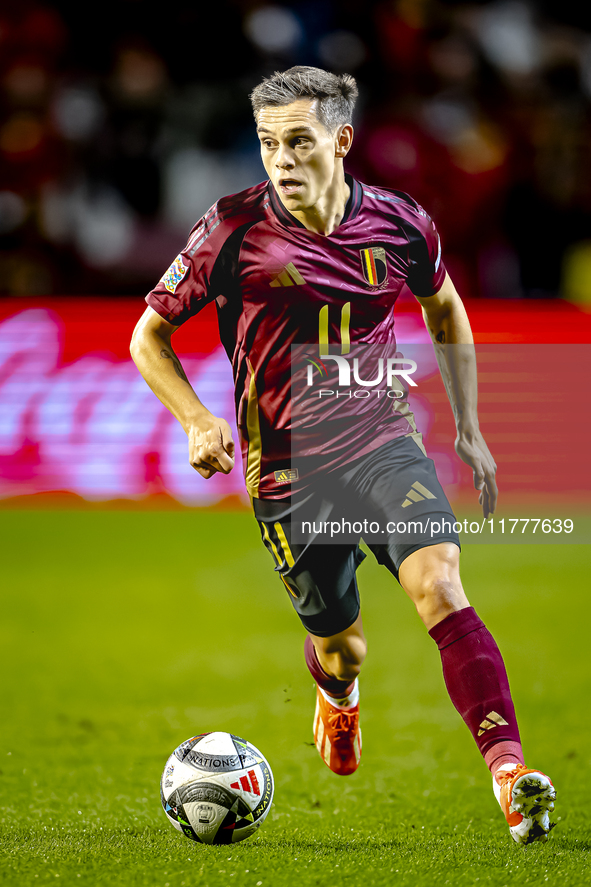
(336, 93)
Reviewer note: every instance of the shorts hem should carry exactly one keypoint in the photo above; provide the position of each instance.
(410, 549)
(331, 632)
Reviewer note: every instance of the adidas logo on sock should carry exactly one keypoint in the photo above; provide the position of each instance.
(492, 720)
(414, 494)
(290, 276)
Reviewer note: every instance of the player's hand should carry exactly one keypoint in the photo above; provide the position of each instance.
(211, 448)
(472, 449)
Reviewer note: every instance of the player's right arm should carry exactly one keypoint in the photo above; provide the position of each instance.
(211, 448)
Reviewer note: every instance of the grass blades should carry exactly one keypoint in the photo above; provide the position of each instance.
(124, 633)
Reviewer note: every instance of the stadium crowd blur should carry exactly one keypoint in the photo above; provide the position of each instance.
(122, 122)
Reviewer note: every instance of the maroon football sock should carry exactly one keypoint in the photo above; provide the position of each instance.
(334, 687)
(477, 683)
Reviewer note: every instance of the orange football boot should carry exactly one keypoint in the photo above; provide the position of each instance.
(337, 735)
(526, 798)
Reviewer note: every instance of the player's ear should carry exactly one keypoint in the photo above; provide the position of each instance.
(344, 138)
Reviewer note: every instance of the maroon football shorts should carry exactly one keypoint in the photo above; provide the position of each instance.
(391, 498)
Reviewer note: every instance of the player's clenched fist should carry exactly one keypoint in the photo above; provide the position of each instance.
(211, 447)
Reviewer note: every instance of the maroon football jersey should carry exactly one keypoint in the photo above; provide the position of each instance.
(278, 285)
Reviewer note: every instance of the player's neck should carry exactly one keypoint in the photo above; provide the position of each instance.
(327, 213)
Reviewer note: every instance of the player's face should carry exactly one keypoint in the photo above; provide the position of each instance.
(301, 157)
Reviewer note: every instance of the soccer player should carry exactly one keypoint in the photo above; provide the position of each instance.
(313, 256)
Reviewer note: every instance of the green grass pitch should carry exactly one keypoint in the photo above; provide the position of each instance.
(124, 633)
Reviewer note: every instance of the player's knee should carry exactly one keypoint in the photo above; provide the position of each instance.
(431, 578)
(344, 662)
(435, 597)
(344, 669)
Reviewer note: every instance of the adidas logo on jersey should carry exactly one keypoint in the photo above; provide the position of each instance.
(417, 493)
(492, 720)
(251, 786)
(290, 276)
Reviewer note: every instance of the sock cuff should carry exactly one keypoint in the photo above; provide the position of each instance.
(507, 752)
(456, 626)
(349, 700)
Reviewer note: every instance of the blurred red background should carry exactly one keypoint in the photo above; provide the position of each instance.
(78, 424)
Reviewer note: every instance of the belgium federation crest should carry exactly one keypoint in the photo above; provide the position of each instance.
(373, 265)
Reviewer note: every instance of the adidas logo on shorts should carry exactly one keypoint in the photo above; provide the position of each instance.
(417, 493)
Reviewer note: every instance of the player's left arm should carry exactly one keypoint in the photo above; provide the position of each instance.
(447, 322)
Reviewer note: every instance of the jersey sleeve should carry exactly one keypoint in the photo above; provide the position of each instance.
(187, 287)
(426, 271)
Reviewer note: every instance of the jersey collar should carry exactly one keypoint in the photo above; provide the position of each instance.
(351, 210)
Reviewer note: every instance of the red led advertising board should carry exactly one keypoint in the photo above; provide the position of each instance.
(77, 421)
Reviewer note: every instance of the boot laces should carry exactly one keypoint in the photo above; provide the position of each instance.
(505, 776)
(343, 723)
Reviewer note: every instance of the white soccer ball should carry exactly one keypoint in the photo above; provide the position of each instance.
(216, 788)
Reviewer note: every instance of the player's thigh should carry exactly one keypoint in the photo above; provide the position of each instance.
(319, 578)
(402, 499)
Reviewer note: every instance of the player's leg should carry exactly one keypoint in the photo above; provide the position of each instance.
(473, 668)
(341, 655)
(398, 484)
(333, 649)
(477, 683)
(399, 487)
(335, 662)
(431, 578)
(323, 590)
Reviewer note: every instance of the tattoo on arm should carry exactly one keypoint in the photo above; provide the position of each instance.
(441, 337)
(176, 364)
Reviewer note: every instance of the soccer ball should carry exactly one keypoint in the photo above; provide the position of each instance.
(216, 788)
